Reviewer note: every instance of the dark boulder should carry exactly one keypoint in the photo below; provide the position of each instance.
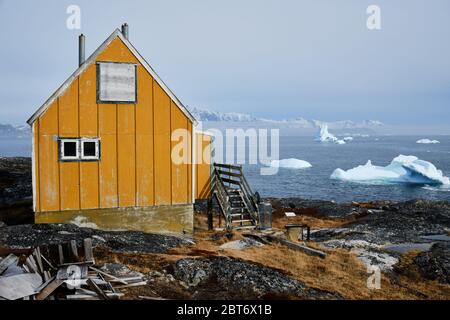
(435, 264)
(228, 278)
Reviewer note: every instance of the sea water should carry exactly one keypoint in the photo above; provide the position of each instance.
(315, 182)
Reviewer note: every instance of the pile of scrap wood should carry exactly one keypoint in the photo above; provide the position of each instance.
(62, 271)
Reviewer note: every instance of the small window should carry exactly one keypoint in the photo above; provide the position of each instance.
(79, 149)
(69, 149)
(90, 149)
(116, 82)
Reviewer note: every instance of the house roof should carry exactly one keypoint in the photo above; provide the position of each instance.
(92, 58)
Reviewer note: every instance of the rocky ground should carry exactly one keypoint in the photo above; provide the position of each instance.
(380, 232)
(407, 241)
(15, 191)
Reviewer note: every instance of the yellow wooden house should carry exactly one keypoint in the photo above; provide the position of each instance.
(102, 147)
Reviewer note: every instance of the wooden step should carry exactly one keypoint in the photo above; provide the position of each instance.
(244, 227)
(242, 221)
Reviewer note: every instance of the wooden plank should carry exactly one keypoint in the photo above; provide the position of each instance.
(37, 255)
(136, 284)
(97, 289)
(88, 254)
(47, 262)
(81, 297)
(151, 298)
(162, 146)
(19, 286)
(108, 275)
(49, 289)
(231, 181)
(60, 254)
(31, 264)
(127, 280)
(229, 173)
(299, 247)
(228, 166)
(74, 250)
(9, 260)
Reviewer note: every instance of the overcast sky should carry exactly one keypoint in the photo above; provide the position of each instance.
(277, 59)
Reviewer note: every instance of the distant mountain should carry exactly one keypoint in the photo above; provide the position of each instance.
(8, 130)
(206, 115)
(209, 115)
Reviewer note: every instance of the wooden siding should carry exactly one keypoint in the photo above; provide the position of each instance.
(203, 166)
(135, 168)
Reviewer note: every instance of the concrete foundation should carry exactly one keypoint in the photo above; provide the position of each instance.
(161, 219)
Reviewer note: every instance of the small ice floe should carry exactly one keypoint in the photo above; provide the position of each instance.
(325, 136)
(427, 141)
(402, 169)
(83, 222)
(291, 163)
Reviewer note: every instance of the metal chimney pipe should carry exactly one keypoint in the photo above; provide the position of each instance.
(81, 49)
(125, 30)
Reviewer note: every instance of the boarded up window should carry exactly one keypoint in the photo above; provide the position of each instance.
(116, 82)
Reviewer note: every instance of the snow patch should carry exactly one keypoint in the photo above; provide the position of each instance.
(402, 169)
(291, 163)
(83, 222)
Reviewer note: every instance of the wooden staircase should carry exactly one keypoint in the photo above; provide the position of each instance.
(238, 204)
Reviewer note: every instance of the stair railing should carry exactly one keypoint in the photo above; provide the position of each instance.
(238, 179)
(222, 198)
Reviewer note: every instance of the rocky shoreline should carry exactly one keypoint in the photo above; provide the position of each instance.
(395, 237)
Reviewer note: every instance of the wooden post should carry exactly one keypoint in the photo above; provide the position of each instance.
(88, 255)
(74, 250)
(60, 254)
(210, 214)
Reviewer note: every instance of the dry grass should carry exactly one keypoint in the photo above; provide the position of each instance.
(340, 272)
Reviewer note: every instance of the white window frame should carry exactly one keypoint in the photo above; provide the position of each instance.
(97, 148)
(61, 149)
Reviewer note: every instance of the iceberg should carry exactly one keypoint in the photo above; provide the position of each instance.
(325, 136)
(291, 163)
(402, 169)
(427, 141)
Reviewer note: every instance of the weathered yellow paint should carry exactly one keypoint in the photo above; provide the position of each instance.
(69, 179)
(36, 195)
(162, 148)
(135, 169)
(107, 114)
(88, 124)
(48, 164)
(144, 140)
(179, 170)
(189, 167)
(126, 147)
(68, 112)
(164, 219)
(203, 166)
